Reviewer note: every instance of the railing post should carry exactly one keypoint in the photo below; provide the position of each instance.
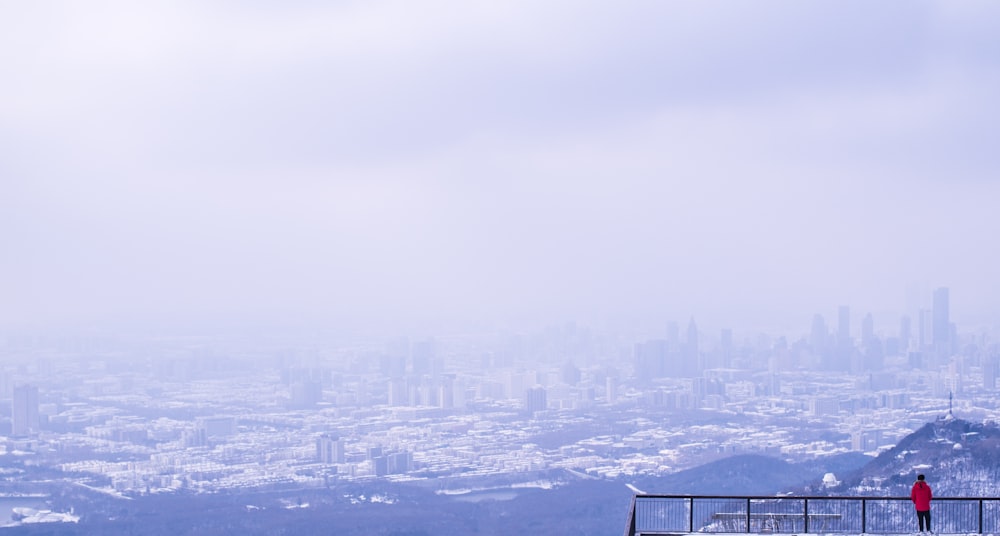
(980, 515)
(630, 529)
(748, 514)
(864, 517)
(691, 515)
(805, 515)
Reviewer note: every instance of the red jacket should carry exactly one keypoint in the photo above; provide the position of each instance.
(921, 496)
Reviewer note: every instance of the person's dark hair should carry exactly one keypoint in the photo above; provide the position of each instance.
(920, 477)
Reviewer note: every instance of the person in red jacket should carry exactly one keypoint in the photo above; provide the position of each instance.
(921, 497)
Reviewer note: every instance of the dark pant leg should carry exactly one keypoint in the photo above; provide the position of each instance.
(924, 520)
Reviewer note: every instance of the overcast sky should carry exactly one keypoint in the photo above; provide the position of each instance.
(427, 165)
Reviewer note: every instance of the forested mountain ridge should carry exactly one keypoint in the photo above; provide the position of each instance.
(959, 459)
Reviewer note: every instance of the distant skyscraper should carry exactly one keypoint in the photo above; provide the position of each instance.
(904, 333)
(819, 344)
(726, 348)
(306, 394)
(692, 337)
(611, 389)
(24, 410)
(446, 398)
(430, 393)
(673, 334)
(380, 465)
(569, 373)
(392, 366)
(422, 357)
(399, 462)
(216, 427)
(926, 328)
(990, 372)
(691, 364)
(867, 329)
(536, 399)
(330, 449)
(398, 392)
(874, 352)
(650, 360)
(941, 324)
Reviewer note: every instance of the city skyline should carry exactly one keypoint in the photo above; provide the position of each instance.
(358, 266)
(928, 314)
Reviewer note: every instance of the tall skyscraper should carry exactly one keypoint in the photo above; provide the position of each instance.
(990, 372)
(867, 329)
(725, 348)
(611, 389)
(926, 329)
(941, 325)
(904, 333)
(422, 357)
(650, 358)
(329, 449)
(691, 365)
(397, 392)
(673, 334)
(305, 394)
(536, 399)
(24, 410)
(446, 397)
(692, 337)
(874, 351)
(216, 427)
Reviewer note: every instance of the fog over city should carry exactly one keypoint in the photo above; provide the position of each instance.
(400, 167)
(386, 265)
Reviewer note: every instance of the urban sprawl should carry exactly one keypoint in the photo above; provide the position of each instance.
(135, 415)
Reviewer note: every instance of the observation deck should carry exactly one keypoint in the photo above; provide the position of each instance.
(787, 514)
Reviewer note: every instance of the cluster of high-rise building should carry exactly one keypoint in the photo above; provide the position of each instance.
(934, 343)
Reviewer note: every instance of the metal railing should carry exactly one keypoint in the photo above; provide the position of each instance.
(673, 514)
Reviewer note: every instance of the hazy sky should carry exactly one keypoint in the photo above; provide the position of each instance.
(431, 165)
